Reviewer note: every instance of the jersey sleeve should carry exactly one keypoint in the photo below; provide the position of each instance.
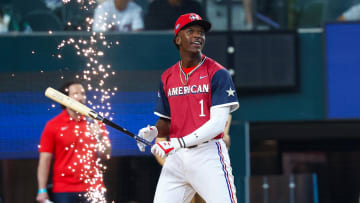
(47, 141)
(223, 92)
(162, 107)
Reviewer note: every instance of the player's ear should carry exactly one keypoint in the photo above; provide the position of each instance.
(178, 40)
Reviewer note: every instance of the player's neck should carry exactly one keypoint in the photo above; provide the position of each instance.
(191, 60)
(73, 114)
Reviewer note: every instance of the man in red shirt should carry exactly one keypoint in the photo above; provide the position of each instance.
(75, 145)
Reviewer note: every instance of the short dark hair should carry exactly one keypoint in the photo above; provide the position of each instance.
(65, 88)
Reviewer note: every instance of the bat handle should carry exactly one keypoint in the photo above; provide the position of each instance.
(142, 140)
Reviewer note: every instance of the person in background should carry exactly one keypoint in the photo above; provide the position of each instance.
(118, 15)
(162, 14)
(241, 14)
(75, 144)
(352, 14)
(4, 21)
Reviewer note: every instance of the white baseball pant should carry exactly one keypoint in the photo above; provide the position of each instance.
(204, 169)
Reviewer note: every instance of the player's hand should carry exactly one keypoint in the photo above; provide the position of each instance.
(148, 133)
(163, 148)
(42, 197)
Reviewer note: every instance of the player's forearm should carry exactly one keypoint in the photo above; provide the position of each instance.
(43, 169)
(210, 129)
(163, 127)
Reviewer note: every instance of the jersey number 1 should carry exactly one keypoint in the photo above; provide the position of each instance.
(202, 108)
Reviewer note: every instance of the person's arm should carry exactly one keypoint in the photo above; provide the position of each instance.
(163, 127)
(206, 132)
(43, 175)
(248, 12)
(210, 129)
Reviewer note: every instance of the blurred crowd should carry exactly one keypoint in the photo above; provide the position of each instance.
(112, 15)
(138, 15)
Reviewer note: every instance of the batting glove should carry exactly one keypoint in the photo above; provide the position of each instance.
(163, 148)
(148, 133)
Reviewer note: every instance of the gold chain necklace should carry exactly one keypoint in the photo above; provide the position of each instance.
(187, 75)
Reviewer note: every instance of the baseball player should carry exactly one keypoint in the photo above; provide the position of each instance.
(195, 98)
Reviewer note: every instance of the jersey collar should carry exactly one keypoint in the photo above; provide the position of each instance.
(186, 76)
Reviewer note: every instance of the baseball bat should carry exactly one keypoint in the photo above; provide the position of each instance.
(86, 111)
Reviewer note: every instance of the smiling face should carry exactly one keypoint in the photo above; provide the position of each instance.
(191, 39)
